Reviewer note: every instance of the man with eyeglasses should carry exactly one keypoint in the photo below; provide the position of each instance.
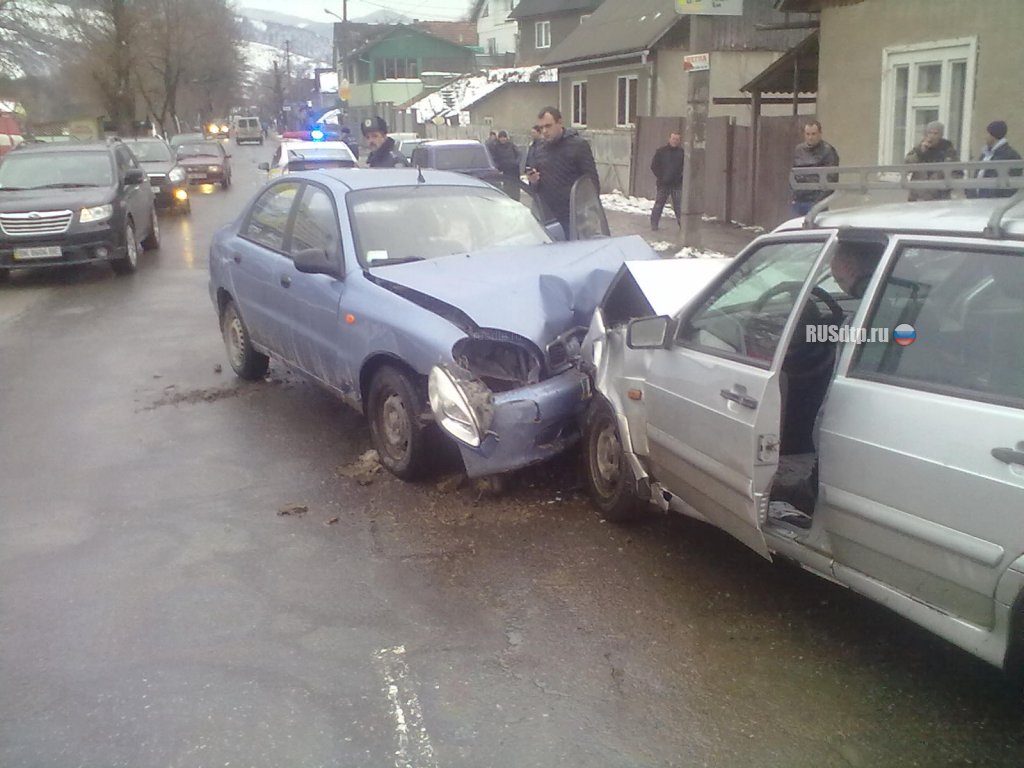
(559, 162)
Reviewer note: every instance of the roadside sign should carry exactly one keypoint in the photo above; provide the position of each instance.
(710, 7)
(697, 62)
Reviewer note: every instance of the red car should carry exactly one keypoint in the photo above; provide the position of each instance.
(205, 162)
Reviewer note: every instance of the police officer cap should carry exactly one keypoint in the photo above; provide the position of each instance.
(374, 124)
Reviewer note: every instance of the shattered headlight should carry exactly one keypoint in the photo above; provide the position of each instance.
(453, 407)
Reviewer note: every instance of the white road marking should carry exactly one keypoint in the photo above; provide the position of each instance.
(413, 747)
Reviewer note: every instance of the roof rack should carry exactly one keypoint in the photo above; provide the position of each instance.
(998, 174)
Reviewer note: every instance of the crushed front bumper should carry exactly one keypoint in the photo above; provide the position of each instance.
(531, 424)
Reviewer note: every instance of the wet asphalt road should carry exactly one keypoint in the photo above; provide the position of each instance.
(157, 610)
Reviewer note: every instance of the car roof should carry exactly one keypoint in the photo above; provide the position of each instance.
(963, 218)
(355, 179)
(454, 143)
(64, 146)
(304, 144)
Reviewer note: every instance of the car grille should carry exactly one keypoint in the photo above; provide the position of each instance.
(157, 179)
(36, 223)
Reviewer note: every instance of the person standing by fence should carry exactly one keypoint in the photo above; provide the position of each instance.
(932, 148)
(812, 152)
(667, 167)
(506, 159)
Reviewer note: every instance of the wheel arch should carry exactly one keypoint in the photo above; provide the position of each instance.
(1011, 592)
(377, 361)
(223, 297)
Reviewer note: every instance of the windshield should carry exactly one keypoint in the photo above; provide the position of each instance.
(199, 150)
(151, 151)
(55, 170)
(396, 224)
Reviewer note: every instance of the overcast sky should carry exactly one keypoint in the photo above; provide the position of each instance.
(314, 9)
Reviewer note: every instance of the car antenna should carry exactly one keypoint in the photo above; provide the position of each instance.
(419, 175)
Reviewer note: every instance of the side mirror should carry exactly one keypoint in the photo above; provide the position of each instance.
(264, 167)
(649, 332)
(315, 261)
(134, 176)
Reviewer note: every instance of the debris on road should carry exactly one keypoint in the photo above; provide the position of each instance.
(332, 521)
(292, 509)
(217, 368)
(363, 469)
(450, 484)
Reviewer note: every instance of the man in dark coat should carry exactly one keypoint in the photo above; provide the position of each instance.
(932, 149)
(996, 148)
(383, 153)
(813, 152)
(536, 140)
(667, 167)
(563, 158)
(352, 144)
(506, 159)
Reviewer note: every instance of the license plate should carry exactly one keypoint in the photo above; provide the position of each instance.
(48, 252)
(196, 176)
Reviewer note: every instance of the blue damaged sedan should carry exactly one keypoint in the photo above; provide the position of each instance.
(429, 300)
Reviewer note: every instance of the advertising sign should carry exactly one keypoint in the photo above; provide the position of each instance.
(697, 62)
(710, 7)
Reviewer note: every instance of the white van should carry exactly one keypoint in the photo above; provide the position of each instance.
(248, 129)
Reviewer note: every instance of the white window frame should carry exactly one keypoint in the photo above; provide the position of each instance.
(542, 34)
(578, 117)
(584, 17)
(632, 85)
(912, 56)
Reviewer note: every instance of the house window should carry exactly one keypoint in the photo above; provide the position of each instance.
(542, 34)
(492, 46)
(923, 83)
(625, 115)
(579, 103)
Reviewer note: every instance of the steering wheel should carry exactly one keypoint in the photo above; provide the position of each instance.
(806, 360)
(793, 287)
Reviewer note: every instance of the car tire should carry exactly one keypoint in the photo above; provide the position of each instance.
(609, 478)
(152, 242)
(130, 261)
(244, 359)
(226, 182)
(393, 407)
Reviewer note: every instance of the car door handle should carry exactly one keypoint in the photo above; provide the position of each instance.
(738, 397)
(1008, 456)
(286, 281)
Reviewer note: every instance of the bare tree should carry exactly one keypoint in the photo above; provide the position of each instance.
(188, 52)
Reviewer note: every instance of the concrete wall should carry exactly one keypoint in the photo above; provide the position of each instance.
(514, 107)
(602, 93)
(850, 81)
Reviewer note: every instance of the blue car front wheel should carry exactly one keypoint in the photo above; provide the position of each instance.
(394, 407)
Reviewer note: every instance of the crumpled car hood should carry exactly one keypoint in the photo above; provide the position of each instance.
(537, 292)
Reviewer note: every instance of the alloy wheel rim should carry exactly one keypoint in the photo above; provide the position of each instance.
(133, 248)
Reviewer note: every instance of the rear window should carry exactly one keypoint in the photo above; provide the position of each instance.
(249, 122)
(460, 158)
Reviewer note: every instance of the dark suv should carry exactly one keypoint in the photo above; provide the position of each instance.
(168, 179)
(74, 204)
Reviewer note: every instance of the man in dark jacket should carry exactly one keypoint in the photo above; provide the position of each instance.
(536, 140)
(382, 147)
(996, 148)
(563, 158)
(352, 144)
(506, 159)
(667, 167)
(932, 149)
(813, 152)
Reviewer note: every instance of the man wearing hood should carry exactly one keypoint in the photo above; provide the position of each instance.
(996, 148)
(563, 158)
(383, 153)
(933, 148)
